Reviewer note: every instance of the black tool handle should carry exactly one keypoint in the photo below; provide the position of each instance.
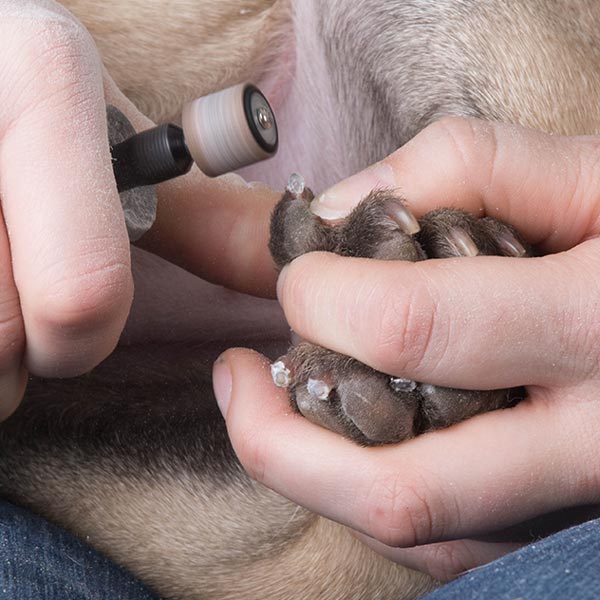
(150, 157)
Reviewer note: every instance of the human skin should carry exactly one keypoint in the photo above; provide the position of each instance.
(65, 269)
(480, 322)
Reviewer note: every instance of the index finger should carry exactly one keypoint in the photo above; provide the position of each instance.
(217, 229)
(545, 185)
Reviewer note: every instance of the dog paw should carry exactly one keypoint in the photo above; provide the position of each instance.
(340, 393)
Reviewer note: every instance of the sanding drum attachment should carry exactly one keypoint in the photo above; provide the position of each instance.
(230, 129)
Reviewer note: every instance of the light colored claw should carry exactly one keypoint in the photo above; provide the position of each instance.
(396, 211)
(296, 185)
(427, 389)
(318, 389)
(510, 245)
(400, 385)
(281, 374)
(462, 242)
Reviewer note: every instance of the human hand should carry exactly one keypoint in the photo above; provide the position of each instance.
(481, 322)
(64, 259)
(65, 277)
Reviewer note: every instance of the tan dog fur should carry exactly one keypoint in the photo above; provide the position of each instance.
(162, 54)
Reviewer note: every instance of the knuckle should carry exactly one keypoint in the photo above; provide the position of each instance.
(406, 325)
(587, 359)
(454, 125)
(398, 513)
(467, 143)
(582, 336)
(58, 59)
(57, 39)
(576, 320)
(581, 189)
(85, 302)
(458, 133)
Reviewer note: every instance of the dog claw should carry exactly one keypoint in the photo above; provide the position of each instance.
(510, 246)
(462, 242)
(281, 374)
(296, 185)
(403, 217)
(401, 385)
(318, 389)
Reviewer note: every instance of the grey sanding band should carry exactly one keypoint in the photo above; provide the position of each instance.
(139, 204)
(217, 132)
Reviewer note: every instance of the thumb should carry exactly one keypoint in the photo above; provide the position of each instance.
(524, 177)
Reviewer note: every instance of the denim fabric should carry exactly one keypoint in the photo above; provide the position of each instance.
(39, 561)
(563, 566)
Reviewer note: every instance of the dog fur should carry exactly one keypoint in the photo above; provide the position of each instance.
(152, 481)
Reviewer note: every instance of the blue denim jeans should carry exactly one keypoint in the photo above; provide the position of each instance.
(565, 565)
(39, 561)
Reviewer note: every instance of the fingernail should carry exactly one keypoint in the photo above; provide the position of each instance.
(222, 384)
(407, 222)
(281, 282)
(12, 389)
(338, 201)
(234, 179)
